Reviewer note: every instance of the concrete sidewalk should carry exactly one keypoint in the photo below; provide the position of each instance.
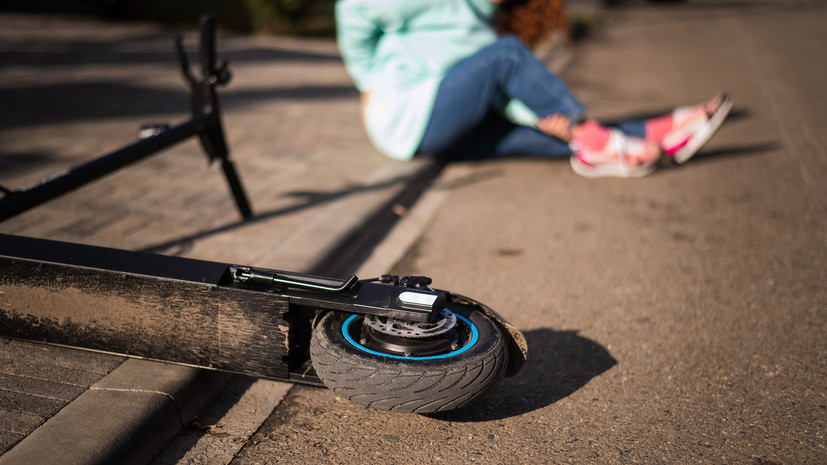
(83, 90)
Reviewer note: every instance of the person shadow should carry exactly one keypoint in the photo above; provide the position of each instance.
(559, 363)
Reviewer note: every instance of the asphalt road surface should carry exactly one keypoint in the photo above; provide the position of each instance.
(678, 318)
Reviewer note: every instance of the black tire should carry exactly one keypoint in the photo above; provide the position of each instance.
(408, 384)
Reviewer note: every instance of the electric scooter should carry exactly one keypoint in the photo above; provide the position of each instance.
(391, 343)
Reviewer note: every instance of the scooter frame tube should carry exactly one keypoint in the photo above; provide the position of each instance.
(205, 123)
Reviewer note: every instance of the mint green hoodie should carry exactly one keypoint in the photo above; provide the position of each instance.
(399, 51)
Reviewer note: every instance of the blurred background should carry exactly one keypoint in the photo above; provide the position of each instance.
(295, 17)
(305, 17)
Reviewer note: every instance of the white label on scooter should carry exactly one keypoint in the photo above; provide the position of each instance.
(417, 298)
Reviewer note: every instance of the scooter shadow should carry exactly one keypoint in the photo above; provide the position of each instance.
(559, 363)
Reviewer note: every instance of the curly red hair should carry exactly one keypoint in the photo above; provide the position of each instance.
(532, 20)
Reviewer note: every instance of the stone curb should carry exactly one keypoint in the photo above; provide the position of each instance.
(124, 418)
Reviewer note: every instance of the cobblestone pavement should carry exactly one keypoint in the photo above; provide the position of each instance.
(290, 116)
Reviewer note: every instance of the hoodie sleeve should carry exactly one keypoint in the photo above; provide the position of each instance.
(358, 29)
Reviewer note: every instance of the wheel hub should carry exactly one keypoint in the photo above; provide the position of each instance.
(412, 329)
(411, 338)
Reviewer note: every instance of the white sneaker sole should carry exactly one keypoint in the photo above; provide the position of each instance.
(611, 170)
(704, 134)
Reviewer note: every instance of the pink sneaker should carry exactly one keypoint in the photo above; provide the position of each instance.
(622, 157)
(693, 127)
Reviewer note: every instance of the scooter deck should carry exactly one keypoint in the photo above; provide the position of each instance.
(180, 310)
(142, 305)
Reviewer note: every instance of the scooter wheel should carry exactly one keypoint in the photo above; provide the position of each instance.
(394, 373)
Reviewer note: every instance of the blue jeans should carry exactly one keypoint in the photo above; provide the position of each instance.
(466, 121)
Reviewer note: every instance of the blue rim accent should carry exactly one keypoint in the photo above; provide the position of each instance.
(475, 335)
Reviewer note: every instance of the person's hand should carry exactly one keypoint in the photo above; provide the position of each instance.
(364, 102)
(556, 125)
